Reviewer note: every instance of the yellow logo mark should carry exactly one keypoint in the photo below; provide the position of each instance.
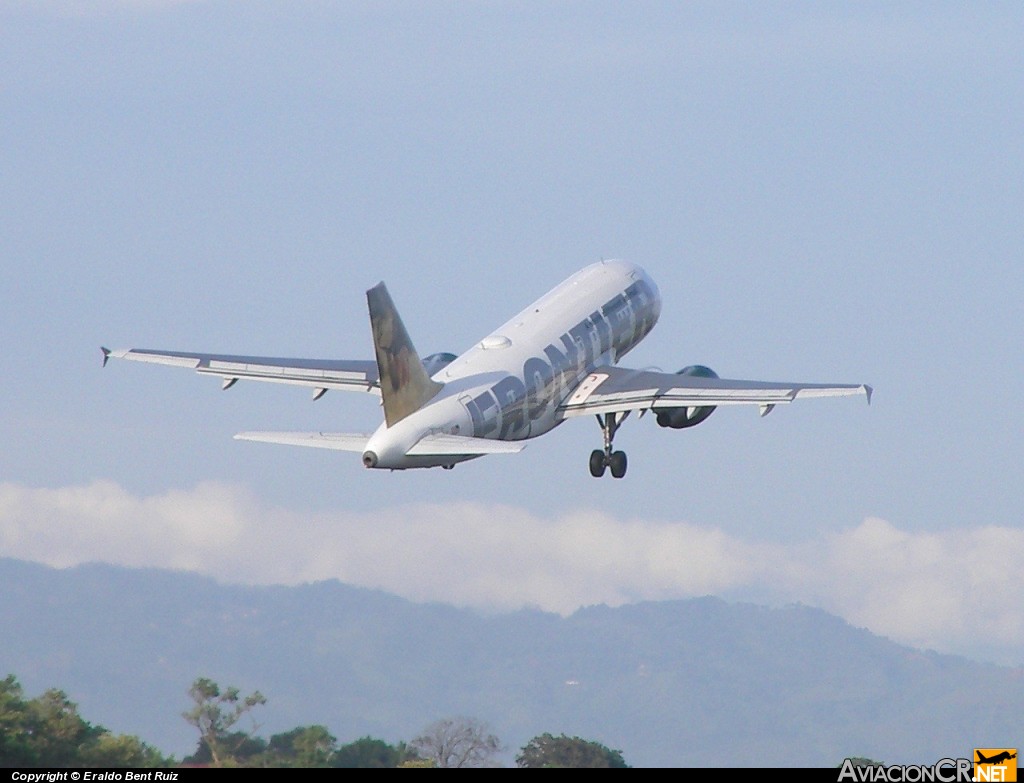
(995, 765)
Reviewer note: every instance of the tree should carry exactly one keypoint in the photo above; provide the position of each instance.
(565, 751)
(304, 746)
(58, 731)
(238, 749)
(48, 732)
(15, 732)
(215, 713)
(369, 753)
(862, 761)
(121, 750)
(457, 742)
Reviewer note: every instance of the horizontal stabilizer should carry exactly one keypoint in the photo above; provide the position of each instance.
(456, 445)
(339, 441)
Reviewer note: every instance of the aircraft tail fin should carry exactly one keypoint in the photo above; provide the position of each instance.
(404, 384)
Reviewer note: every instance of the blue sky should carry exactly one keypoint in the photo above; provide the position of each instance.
(823, 192)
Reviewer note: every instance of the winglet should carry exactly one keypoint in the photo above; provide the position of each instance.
(404, 384)
(868, 391)
(106, 355)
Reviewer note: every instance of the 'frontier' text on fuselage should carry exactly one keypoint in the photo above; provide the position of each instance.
(520, 401)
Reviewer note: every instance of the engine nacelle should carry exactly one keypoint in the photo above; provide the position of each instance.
(680, 418)
(437, 362)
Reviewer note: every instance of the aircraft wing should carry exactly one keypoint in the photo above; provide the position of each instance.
(616, 389)
(321, 374)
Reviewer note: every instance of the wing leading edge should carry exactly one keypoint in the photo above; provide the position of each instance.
(616, 390)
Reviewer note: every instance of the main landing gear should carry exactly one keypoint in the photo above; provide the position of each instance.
(615, 460)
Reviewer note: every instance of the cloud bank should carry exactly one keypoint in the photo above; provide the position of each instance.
(956, 591)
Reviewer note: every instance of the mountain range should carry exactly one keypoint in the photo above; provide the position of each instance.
(698, 682)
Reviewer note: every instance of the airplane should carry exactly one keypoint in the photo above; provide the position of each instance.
(996, 759)
(554, 361)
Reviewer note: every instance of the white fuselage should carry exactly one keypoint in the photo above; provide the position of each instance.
(510, 384)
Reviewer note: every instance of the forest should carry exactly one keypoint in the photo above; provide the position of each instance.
(48, 731)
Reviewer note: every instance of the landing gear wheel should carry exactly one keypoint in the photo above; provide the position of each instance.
(601, 459)
(617, 463)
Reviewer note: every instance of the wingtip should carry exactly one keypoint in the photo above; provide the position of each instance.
(868, 391)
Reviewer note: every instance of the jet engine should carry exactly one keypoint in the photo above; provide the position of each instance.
(437, 362)
(679, 418)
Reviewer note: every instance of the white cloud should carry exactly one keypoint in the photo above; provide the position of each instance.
(960, 588)
(953, 591)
